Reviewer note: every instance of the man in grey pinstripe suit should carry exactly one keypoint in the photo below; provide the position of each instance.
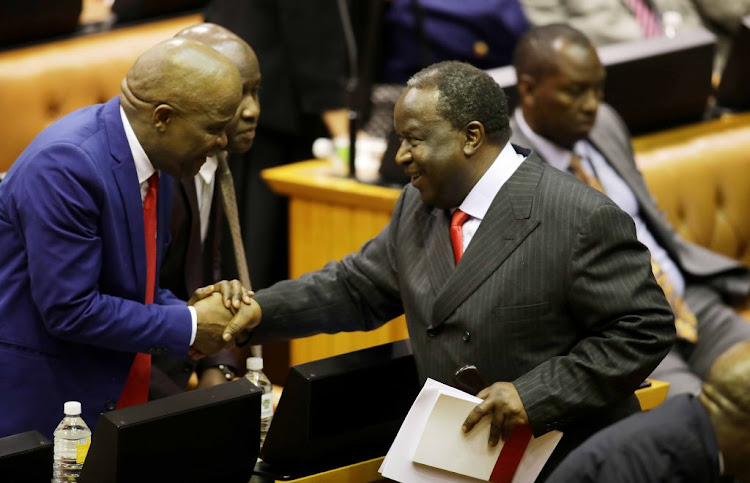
(553, 299)
(560, 80)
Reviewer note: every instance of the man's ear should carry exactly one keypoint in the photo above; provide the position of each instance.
(526, 86)
(474, 133)
(161, 116)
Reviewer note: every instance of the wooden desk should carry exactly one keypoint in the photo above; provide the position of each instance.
(365, 471)
(331, 216)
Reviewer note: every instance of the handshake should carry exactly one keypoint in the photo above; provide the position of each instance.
(223, 310)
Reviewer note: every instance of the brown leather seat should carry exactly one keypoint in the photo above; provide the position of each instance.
(700, 177)
(41, 83)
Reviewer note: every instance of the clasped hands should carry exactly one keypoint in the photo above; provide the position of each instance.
(223, 310)
(503, 404)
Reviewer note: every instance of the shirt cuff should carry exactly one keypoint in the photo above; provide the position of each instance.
(194, 321)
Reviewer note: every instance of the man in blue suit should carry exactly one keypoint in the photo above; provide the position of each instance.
(76, 263)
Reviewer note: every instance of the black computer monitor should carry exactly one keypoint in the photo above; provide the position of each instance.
(204, 435)
(506, 77)
(734, 86)
(25, 458)
(653, 83)
(340, 410)
(661, 82)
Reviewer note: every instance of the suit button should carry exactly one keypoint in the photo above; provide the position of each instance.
(467, 336)
(110, 405)
(432, 332)
(481, 49)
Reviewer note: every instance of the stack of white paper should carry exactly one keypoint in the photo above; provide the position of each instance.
(430, 446)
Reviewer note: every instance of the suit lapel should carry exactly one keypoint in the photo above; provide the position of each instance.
(505, 226)
(438, 248)
(126, 178)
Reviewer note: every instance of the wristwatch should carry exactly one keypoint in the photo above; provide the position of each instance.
(227, 371)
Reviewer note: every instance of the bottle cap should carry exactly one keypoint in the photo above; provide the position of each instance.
(72, 408)
(255, 363)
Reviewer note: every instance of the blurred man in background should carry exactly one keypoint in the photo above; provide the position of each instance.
(561, 117)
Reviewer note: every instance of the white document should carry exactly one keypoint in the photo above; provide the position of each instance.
(438, 427)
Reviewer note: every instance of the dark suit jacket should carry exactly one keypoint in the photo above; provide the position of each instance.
(301, 53)
(73, 265)
(554, 293)
(610, 136)
(303, 62)
(189, 265)
(674, 442)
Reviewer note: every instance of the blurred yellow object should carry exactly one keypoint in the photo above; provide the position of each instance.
(652, 396)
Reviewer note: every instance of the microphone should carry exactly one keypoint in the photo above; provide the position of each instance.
(352, 84)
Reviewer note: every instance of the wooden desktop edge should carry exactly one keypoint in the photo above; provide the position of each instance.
(321, 181)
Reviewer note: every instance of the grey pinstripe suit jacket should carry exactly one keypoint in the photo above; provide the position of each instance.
(554, 293)
(610, 136)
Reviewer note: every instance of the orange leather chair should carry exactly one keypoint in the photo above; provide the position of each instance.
(41, 83)
(700, 177)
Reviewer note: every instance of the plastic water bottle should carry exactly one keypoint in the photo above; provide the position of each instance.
(256, 376)
(72, 440)
(370, 152)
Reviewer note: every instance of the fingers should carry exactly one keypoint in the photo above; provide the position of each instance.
(496, 431)
(506, 429)
(474, 417)
(201, 293)
(238, 291)
(226, 293)
(247, 317)
(234, 294)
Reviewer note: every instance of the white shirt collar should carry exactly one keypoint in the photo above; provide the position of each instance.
(208, 170)
(143, 165)
(479, 199)
(555, 155)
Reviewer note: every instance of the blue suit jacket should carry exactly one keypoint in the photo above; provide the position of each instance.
(73, 270)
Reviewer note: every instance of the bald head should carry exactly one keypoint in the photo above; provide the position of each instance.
(241, 131)
(560, 83)
(222, 40)
(537, 51)
(178, 97)
(185, 74)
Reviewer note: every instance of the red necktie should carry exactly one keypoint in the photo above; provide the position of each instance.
(136, 387)
(457, 237)
(646, 18)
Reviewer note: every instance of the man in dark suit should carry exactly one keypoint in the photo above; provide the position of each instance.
(193, 257)
(686, 439)
(83, 227)
(300, 46)
(562, 119)
(547, 292)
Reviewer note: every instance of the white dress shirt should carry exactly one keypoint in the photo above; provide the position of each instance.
(205, 182)
(145, 169)
(479, 199)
